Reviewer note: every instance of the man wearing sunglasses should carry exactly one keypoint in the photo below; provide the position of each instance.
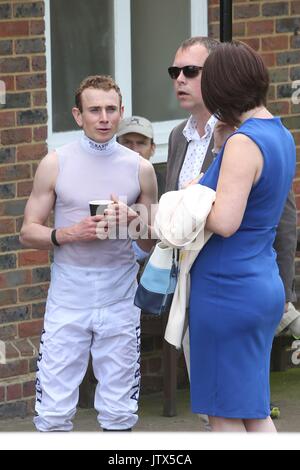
(190, 153)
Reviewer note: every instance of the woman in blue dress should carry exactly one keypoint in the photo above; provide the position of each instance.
(237, 297)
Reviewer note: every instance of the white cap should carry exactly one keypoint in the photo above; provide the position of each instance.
(136, 124)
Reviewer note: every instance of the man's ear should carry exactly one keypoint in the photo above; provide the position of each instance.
(77, 116)
(153, 147)
(122, 111)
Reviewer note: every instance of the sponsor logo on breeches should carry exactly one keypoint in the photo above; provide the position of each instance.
(38, 388)
(135, 391)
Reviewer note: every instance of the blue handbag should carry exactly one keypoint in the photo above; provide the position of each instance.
(158, 282)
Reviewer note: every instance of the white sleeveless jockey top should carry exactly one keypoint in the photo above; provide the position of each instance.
(89, 171)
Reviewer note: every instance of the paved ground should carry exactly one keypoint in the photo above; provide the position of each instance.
(285, 388)
(150, 418)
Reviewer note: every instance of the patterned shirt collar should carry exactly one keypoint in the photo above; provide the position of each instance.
(190, 131)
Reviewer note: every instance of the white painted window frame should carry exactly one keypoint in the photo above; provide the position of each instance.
(122, 33)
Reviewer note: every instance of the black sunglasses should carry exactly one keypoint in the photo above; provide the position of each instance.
(189, 71)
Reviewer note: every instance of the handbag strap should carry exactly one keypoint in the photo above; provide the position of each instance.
(173, 275)
(175, 263)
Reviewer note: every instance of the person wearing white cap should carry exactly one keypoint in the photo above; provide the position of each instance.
(136, 133)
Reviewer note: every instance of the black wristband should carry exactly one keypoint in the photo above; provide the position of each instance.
(53, 238)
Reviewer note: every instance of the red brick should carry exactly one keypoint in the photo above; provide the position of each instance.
(297, 202)
(25, 348)
(34, 168)
(213, 14)
(30, 328)
(246, 11)
(213, 30)
(16, 136)
(2, 394)
(29, 389)
(296, 187)
(264, 27)
(8, 297)
(13, 392)
(30, 406)
(279, 107)
(275, 43)
(297, 137)
(14, 64)
(33, 258)
(29, 9)
(14, 28)
(39, 98)
(8, 332)
(239, 29)
(252, 42)
(14, 172)
(31, 81)
(31, 152)
(13, 369)
(11, 352)
(7, 226)
(15, 278)
(34, 292)
(19, 223)
(271, 93)
(9, 82)
(7, 119)
(40, 134)
(36, 342)
(37, 27)
(269, 59)
(24, 189)
(295, 7)
(38, 63)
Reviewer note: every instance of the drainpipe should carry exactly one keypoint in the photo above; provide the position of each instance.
(225, 20)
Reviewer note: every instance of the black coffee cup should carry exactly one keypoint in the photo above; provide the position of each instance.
(98, 206)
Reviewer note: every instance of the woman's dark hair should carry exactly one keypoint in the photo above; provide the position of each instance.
(234, 80)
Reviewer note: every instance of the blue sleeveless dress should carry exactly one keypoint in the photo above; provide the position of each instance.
(237, 297)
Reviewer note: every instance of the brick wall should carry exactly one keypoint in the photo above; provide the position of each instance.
(24, 274)
(271, 27)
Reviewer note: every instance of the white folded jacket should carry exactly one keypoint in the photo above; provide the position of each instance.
(180, 223)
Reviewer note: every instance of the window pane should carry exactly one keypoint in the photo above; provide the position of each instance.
(157, 29)
(81, 45)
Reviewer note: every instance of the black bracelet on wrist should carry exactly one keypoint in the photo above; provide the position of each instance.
(53, 238)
